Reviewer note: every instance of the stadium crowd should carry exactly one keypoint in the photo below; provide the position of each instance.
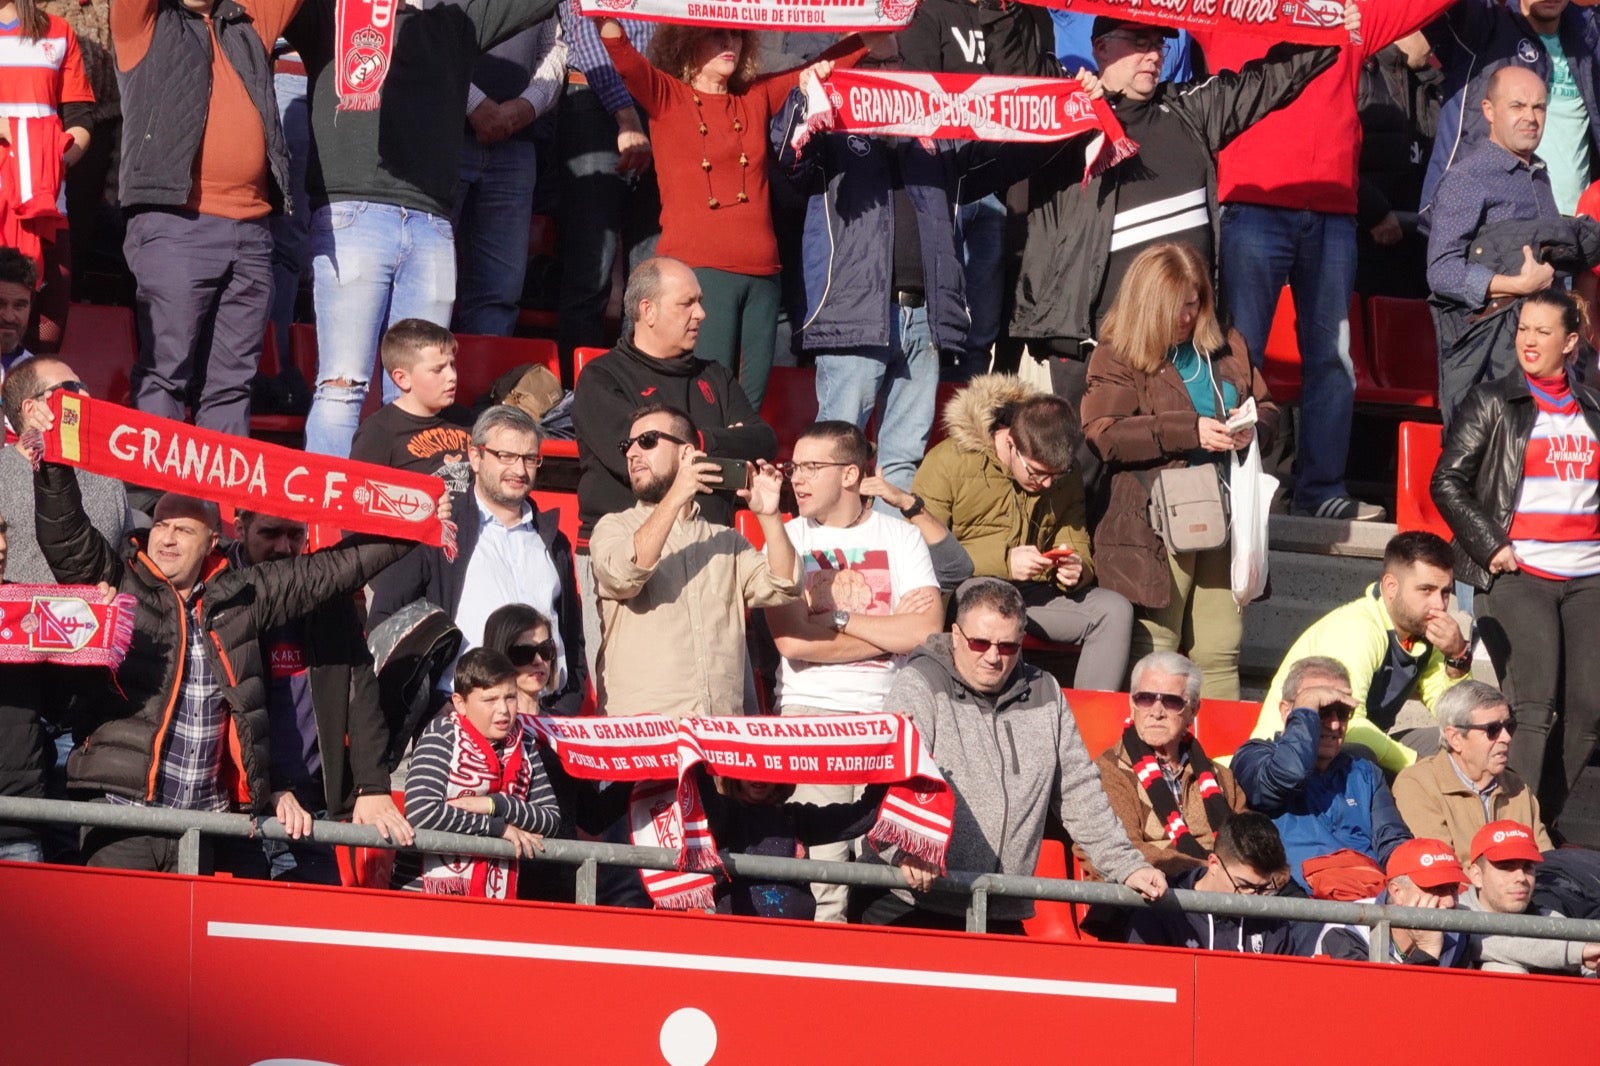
(1103, 331)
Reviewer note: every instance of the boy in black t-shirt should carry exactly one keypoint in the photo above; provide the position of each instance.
(423, 430)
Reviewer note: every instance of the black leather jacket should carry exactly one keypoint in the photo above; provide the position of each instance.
(1479, 476)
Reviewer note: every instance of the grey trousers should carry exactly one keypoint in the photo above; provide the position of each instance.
(1098, 619)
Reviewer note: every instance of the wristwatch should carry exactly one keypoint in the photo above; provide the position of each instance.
(1463, 662)
(840, 620)
(915, 508)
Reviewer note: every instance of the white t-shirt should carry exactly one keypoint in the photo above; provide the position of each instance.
(864, 569)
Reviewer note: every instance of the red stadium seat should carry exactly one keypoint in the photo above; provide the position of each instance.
(1222, 726)
(368, 867)
(303, 350)
(790, 404)
(565, 505)
(1404, 350)
(1100, 717)
(101, 345)
(1280, 363)
(480, 360)
(582, 357)
(1420, 444)
(1052, 920)
(1282, 366)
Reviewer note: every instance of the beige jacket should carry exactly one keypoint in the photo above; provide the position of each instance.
(673, 636)
(1436, 803)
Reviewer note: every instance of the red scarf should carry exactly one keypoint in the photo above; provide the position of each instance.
(835, 16)
(128, 445)
(363, 35)
(1295, 21)
(69, 625)
(915, 815)
(973, 107)
(475, 770)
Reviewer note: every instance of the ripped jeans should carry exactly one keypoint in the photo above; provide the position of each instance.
(372, 265)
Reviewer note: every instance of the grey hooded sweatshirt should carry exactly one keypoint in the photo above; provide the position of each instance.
(1008, 757)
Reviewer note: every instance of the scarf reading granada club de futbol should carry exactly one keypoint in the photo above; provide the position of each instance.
(69, 625)
(915, 815)
(128, 445)
(973, 107)
(476, 770)
(363, 36)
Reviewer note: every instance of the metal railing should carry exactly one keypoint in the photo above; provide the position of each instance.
(192, 827)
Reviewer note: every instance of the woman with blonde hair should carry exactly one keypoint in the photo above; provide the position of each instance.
(1163, 382)
(709, 114)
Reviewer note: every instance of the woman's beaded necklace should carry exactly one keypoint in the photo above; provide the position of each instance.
(705, 154)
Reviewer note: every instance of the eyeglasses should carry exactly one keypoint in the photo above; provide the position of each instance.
(809, 469)
(981, 646)
(647, 440)
(1147, 701)
(524, 654)
(1040, 474)
(69, 386)
(513, 458)
(1248, 888)
(1492, 730)
(1142, 43)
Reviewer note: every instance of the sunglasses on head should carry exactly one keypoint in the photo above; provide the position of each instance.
(1147, 701)
(647, 440)
(524, 654)
(1492, 730)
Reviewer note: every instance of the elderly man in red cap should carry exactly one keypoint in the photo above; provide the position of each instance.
(1421, 873)
(1504, 854)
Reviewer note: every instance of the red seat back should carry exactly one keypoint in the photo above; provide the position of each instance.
(1420, 444)
(101, 345)
(1222, 726)
(1100, 717)
(303, 350)
(1405, 352)
(565, 505)
(790, 404)
(582, 357)
(480, 360)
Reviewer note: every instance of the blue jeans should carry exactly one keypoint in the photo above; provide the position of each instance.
(373, 264)
(494, 206)
(981, 233)
(1262, 247)
(848, 386)
(291, 231)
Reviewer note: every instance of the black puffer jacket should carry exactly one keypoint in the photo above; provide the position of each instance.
(131, 720)
(1479, 476)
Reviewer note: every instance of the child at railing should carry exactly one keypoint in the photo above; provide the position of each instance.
(754, 818)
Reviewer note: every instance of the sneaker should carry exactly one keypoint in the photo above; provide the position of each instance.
(1344, 509)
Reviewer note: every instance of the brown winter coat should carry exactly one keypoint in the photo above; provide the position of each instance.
(1139, 423)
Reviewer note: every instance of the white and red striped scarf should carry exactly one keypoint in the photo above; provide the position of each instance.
(915, 815)
(1147, 768)
(475, 770)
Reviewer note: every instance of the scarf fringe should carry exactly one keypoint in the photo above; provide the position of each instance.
(369, 101)
(928, 848)
(1112, 153)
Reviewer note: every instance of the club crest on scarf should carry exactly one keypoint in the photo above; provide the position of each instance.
(69, 625)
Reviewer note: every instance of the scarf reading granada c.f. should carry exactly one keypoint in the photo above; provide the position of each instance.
(128, 445)
(363, 36)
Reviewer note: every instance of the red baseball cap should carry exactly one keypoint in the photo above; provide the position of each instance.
(1429, 863)
(1505, 841)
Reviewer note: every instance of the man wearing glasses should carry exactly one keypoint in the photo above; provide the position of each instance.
(1006, 740)
(1465, 786)
(25, 395)
(1421, 873)
(673, 588)
(1248, 860)
(1003, 481)
(1169, 796)
(1321, 798)
(507, 551)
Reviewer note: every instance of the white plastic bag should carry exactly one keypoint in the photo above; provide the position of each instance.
(1251, 490)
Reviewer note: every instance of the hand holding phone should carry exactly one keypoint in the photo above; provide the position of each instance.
(1243, 417)
(735, 474)
(1055, 555)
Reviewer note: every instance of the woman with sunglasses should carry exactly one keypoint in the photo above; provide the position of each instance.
(1169, 795)
(1163, 383)
(1517, 484)
(522, 634)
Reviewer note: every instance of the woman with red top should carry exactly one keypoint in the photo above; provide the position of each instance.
(709, 114)
(1517, 483)
(46, 108)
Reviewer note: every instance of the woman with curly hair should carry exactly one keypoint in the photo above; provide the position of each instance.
(709, 113)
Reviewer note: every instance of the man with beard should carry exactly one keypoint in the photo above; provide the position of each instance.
(674, 588)
(508, 551)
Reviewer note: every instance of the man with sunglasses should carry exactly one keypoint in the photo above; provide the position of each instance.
(326, 733)
(673, 588)
(25, 396)
(1421, 873)
(1006, 740)
(1248, 860)
(1455, 793)
(1321, 798)
(507, 551)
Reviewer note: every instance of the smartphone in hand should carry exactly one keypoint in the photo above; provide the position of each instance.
(735, 474)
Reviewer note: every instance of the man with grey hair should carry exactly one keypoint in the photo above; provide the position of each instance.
(1006, 740)
(1321, 798)
(1169, 796)
(1453, 794)
(507, 551)
(654, 362)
